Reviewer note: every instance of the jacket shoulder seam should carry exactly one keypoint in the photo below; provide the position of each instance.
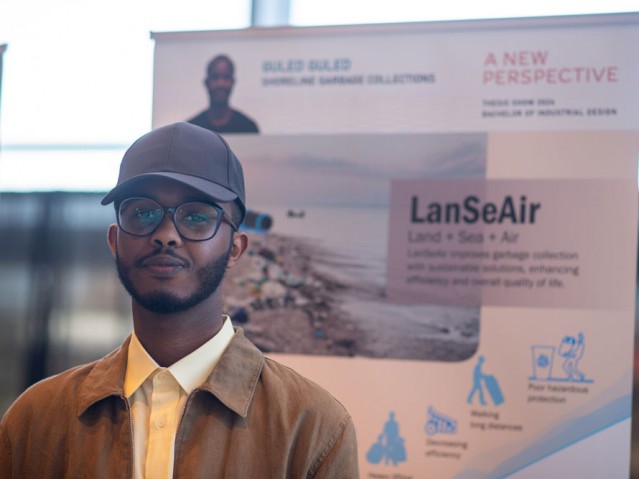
(329, 446)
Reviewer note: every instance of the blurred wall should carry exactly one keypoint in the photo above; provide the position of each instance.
(61, 303)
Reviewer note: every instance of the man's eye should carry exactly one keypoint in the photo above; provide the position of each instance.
(147, 215)
(195, 218)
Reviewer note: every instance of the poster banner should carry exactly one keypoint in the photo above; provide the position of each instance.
(443, 229)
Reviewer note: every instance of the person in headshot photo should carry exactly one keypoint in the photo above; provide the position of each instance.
(219, 116)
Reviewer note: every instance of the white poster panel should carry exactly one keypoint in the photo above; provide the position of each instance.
(443, 229)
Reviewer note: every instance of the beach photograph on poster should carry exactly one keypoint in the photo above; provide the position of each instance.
(313, 279)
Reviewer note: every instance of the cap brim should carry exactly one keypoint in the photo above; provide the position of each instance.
(208, 188)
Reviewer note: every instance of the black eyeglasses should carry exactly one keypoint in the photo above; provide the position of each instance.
(194, 220)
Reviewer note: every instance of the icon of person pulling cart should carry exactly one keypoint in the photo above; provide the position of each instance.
(481, 381)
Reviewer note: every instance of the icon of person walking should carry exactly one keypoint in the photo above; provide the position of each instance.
(481, 381)
(389, 446)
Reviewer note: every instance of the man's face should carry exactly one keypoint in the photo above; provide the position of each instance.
(163, 272)
(219, 81)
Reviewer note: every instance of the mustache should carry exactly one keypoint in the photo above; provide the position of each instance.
(162, 251)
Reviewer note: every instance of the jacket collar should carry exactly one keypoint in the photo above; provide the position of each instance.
(105, 379)
(233, 380)
(235, 376)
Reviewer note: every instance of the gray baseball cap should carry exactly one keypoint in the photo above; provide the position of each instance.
(186, 153)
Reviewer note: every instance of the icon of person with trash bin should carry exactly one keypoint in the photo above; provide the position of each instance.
(389, 446)
(572, 350)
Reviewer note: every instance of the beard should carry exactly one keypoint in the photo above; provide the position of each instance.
(210, 278)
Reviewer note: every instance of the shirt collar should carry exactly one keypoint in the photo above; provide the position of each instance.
(139, 366)
(190, 371)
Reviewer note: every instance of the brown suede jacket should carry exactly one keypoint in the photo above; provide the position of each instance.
(252, 418)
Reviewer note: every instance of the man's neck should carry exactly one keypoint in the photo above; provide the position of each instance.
(170, 337)
(219, 113)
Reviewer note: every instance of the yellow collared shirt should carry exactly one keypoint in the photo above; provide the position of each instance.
(157, 396)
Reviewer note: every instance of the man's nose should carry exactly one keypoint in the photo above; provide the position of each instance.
(166, 234)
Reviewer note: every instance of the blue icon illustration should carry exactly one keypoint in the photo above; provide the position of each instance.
(571, 349)
(487, 381)
(439, 423)
(389, 445)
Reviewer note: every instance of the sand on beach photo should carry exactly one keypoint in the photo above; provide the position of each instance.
(287, 304)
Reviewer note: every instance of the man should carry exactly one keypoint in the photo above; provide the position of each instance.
(220, 117)
(186, 395)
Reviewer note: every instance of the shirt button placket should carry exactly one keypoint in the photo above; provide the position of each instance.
(160, 421)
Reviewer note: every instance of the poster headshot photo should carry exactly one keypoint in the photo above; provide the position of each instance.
(220, 116)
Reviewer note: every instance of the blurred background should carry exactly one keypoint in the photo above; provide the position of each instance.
(75, 91)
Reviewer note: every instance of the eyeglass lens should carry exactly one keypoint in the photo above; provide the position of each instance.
(193, 220)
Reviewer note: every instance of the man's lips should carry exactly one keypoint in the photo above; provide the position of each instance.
(162, 263)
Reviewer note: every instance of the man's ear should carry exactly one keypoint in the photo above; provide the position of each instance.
(239, 245)
(112, 238)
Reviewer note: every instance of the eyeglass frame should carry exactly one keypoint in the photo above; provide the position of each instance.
(222, 217)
